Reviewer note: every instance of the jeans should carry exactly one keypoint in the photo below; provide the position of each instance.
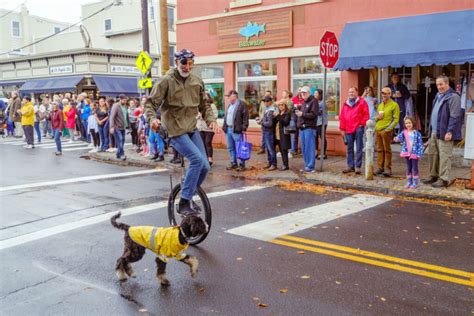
(319, 129)
(358, 139)
(269, 138)
(38, 132)
(294, 141)
(57, 139)
(263, 144)
(134, 133)
(308, 147)
(86, 131)
(104, 138)
(47, 128)
(190, 146)
(232, 139)
(72, 131)
(120, 142)
(156, 143)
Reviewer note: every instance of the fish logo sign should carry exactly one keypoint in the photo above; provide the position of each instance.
(252, 30)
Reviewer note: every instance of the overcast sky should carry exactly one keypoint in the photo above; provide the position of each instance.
(61, 10)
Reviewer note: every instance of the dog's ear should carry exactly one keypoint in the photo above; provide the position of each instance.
(186, 225)
(198, 227)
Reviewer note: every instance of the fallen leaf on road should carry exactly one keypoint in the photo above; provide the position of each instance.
(417, 227)
(456, 237)
(239, 258)
(425, 242)
(146, 269)
(305, 276)
(324, 227)
(242, 212)
(337, 227)
(383, 299)
(143, 310)
(259, 248)
(256, 298)
(246, 208)
(283, 290)
(262, 305)
(464, 212)
(202, 290)
(300, 252)
(278, 204)
(405, 231)
(337, 282)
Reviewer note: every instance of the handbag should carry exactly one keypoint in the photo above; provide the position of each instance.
(244, 148)
(290, 129)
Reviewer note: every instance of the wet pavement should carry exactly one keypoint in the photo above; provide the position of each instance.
(335, 252)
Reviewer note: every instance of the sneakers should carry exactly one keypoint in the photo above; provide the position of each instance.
(240, 168)
(290, 155)
(272, 167)
(58, 153)
(440, 184)
(358, 171)
(387, 173)
(29, 147)
(378, 172)
(284, 168)
(414, 183)
(123, 157)
(348, 170)
(94, 150)
(155, 156)
(184, 207)
(309, 171)
(231, 166)
(261, 152)
(278, 154)
(160, 158)
(90, 145)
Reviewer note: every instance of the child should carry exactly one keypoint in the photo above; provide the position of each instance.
(156, 144)
(93, 126)
(412, 150)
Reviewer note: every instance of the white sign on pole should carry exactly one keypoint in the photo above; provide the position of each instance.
(469, 141)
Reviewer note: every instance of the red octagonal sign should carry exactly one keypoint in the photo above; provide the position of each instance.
(329, 49)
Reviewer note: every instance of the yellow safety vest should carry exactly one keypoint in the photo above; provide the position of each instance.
(164, 241)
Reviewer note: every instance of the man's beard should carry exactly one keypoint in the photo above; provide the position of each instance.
(183, 74)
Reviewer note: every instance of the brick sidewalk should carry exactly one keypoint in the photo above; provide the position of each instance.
(331, 176)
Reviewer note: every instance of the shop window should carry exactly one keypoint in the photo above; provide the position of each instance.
(257, 68)
(56, 29)
(213, 77)
(252, 93)
(171, 56)
(170, 19)
(152, 12)
(16, 32)
(108, 25)
(308, 71)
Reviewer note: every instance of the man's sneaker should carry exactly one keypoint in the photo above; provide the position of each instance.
(90, 145)
(155, 156)
(58, 153)
(430, 180)
(378, 172)
(70, 141)
(348, 170)
(184, 208)
(440, 184)
(123, 157)
(94, 150)
(261, 152)
(29, 147)
(358, 171)
(284, 168)
(26, 146)
(290, 155)
(278, 154)
(309, 171)
(160, 158)
(272, 167)
(231, 166)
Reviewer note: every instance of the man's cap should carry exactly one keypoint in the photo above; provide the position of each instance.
(267, 98)
(305, 89)
(122, 96)
(232, 92)
(183, 55)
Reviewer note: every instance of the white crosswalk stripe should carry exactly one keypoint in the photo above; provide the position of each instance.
(51, 144)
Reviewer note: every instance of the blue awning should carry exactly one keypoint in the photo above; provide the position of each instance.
(113, 86)
(54, 84)
(439, 39)
(12, 83)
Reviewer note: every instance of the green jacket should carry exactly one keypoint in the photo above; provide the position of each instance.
(391, 115)
(179, 103)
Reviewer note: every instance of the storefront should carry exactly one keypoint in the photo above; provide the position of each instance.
(273, 45)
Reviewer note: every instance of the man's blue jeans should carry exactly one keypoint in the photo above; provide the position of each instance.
(263, 145)
(231, 140)
(191, 147)
(88, 137)
(57, 139)
(156, 143)
(104, 138)
(120, 142)
(308, 147)
(269, 139)
(38, 132)
(358, 139)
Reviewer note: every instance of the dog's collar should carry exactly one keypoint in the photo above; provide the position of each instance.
(186, 238)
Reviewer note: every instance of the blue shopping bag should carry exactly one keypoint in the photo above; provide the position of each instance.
(244, 148)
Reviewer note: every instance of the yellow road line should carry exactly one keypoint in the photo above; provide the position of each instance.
(380, 256)
(375, 262)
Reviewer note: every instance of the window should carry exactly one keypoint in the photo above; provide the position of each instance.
(308, 71)
(16, 32)
(253, 79)
(171, 19)
(108, 25)
(56, 29)
(213, 77)
(171, 56)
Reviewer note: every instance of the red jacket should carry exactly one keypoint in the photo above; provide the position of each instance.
(352, 117)
(57, 121)
(71, 118)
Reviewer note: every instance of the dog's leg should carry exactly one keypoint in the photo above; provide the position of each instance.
(161, 272)
(193, 264)
(130, 272)
(120, 269)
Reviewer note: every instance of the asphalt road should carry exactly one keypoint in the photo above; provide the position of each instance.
(270, 250)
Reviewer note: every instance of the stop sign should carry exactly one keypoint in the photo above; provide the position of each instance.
(329, 49)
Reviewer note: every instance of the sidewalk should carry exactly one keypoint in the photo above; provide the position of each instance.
(331, 176)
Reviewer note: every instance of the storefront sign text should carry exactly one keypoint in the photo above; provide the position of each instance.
(251, 43)
(60, 69)
(124, 69)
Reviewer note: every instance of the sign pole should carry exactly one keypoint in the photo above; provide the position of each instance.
(323, 129)
(145, 35)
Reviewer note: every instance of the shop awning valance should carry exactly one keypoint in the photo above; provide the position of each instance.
(113, 86)
(54, 84)
(431, 39)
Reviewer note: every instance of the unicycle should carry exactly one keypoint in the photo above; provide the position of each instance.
(200, 203)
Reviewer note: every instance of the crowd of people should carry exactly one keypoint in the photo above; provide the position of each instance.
(285, 123)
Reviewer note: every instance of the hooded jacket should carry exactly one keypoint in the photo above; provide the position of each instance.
(179, 102)
(164, 241)
(449, 116)
(14, 107)
(352, 117)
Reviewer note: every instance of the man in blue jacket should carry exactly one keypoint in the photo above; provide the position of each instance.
(445, 128)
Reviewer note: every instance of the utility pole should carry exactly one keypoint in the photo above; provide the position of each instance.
(145, 34)
(165, 56)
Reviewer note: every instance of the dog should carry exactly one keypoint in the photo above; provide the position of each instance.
(166, 242)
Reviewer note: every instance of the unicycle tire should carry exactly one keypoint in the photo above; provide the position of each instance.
(203, 205)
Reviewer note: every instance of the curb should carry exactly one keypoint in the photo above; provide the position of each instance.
(347, 186)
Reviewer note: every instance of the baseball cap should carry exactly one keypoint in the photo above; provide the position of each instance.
(232, 92)
(122, 96)
(305, 89)
(267, 98)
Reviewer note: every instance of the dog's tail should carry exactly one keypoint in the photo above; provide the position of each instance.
(121, 226)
